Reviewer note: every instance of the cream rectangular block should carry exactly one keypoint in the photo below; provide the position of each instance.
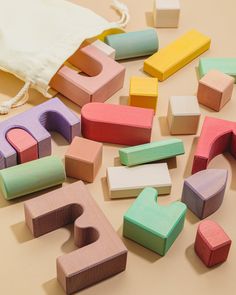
(108, 50)
(183, 115)
(166, 13)
(125, 182)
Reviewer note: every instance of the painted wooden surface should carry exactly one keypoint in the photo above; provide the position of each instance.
(154, 227)
(108, 50)
(101, 252)
(166, 13)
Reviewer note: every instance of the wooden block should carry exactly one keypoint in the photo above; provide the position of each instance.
(31, 177)
(117, 124)
(101, 252)
(166, 13)
(215, 90)
(176, 55)
(183, 115)
(51, 115)
(152, 226)
(143, 92)
(83, 159)
(24, 144)
(203, 192)
(125, 182)
(151, 152)
(133, 44)
(212, 244)
(108, 50)
(104, 77)
(224, 65)
(217, 136)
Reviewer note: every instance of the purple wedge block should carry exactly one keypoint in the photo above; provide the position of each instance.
(203, 192)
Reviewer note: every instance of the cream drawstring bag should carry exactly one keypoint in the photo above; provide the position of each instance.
(38, 36)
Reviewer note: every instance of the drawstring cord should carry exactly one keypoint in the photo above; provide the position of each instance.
(124, 11)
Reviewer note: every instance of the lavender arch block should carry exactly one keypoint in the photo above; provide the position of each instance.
(52, 115)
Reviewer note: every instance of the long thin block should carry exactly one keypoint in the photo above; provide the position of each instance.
(152, 226)
(212, 244)
(51, 115)
(117, 124)
(203, 192)
(125, 182)
(224, 65)
(176, 55)
(151, 152)
(101, 252)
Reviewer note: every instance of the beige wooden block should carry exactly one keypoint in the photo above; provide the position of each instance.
(166, 13)
(125, 182)
(108, 50)
(183, 115)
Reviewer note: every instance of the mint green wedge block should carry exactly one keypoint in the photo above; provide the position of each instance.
(224, 65)
(152, 226)
(30, 177)
(151, 152)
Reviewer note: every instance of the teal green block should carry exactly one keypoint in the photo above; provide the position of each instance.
(30, 177)
(133, 44)
(224, 65)
(151, 152)
(152, 226)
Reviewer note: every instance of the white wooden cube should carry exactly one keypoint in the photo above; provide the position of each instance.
(108, 50)
(166, 13)
(183, 115)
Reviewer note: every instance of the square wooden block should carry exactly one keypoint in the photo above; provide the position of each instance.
(83, 159)
(215, 90)
(183, 115)
(143, 92)
(166, 13)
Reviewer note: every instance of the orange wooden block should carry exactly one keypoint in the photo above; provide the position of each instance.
(101, 252)
(24, 143)
(83, 159)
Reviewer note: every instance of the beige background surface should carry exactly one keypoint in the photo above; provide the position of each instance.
(27, 265)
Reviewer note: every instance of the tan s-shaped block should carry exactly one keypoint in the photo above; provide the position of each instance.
(101, 252)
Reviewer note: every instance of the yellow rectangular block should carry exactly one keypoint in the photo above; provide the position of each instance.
(143, 92)
(176, 55)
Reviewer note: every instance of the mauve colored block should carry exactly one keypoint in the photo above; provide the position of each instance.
(51, 115)
(212, 244)
(116, 124)
(203, 192)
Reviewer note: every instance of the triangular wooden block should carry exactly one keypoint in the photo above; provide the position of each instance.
(204, 191)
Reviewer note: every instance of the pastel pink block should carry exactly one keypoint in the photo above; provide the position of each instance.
(116, 124)
(106, 77)
(25, 145)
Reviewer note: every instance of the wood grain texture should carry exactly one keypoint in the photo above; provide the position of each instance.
(166, 13)
(154, 227)
(203, 192)
(212, 244)
(101, 252)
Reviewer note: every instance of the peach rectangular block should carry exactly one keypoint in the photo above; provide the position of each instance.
(83, 159)
(143, 92)
(100, 254)
(104, 77)
(215, 90)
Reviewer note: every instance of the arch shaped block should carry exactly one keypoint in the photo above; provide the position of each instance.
(217, 136)
(117, 124)
(51, 115)
(152, 226)
(203, 192)
(101, 252)
(106, 77)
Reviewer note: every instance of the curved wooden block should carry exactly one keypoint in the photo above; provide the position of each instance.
(51, 115)
(152, 226)
(101, 252)
(106, 77)
(117, 124)
(217, 136)
(212, 244)
(203, 192)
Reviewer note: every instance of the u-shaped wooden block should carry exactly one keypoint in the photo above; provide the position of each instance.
(101, 252)
(106, 77)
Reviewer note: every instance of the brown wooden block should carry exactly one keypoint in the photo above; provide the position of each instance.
(101, 252)
(83, 159)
